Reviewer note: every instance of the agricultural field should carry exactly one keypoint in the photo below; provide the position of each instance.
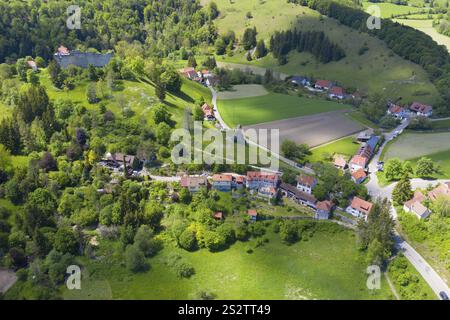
(243, 91)
(441, 124)
(314, 269)
(346, 147)
(272, 107)
(442, 160)
(313, 130)
(413, 145)
(377, 70)
(426, 26)
(390, 9)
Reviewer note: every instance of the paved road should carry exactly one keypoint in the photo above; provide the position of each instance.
(250, 142)
(436, 283)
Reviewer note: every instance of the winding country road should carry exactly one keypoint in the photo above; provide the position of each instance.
(433, 279)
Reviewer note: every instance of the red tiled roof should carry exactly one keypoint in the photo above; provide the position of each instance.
(323, 83)
(361, 205)
(337, 91)
(441, 190)
(192, 181)
(218, 215)
(395, 109)
(256, 175)
(420, 107)
(359, 174)
(240, 179)
(252, 212)
(324, 205)
(63, 50)
(32, 64)
(306, 180)
(340, 162)
(359, 160)
(222, 178)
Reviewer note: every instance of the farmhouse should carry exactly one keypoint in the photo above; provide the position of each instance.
(188, 72)
(421, 109)
(222, 182)
(323, 210)
(120, 160)
(208, 112)
(258, 179)
(64, 57)
(415, 206)
(359, 207)
(253, 214)
(301, 197)
(337, 93)
(397, 111)
(306, 183)
(358, 162)
(359, 176)
(441, 190)
(323, 84)
(194, 183)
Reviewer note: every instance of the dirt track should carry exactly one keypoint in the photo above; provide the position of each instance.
(313, 130)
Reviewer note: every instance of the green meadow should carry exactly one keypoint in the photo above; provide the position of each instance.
(346, 147)
(271, 107)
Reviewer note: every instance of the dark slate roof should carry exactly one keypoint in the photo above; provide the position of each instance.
(297, 193)
(83, 59)
(372, 142)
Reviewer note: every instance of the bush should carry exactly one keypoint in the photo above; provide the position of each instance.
(187, 240)
(184, 270)
(135, 259)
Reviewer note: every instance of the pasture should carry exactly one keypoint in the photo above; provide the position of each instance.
(316, 268)
(442, 160)
(346, 147)
(272, 107)
(390, 9)
(243, 91)
(314, 130)
(376, 70)
(413, 145)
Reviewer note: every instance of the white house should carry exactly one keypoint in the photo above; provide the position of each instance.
(306, 183)
(359, 208)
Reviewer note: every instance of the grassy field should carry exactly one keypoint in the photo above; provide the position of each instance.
(413, 145)
(359, 117)
(313, 269)
(344, 146)
(442, 160)
(441, 125)
(272, 107)
(243, 91)
(426, 26)
(389, 9)
(377, 70)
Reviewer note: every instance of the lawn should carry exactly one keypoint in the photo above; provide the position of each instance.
(313, 269)
(442, 160)
(243, 91)
(441, 125)
(345, 146)
(377, 70)
(271, 107)
(390, 9)
(413, 145)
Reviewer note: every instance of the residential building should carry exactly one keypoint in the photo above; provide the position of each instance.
(323, 210)
(267, 192)
(373, 143)
(300, 81)
(218, 216)
(258, 179)
(253, 214)
(194, 183)
(359, 208)
(397, 111)
(222, 182)
(301, 197)
(337, 93)
(32, 64)
(119, 160)
(306, 183)
(415, 206)
(238, 181)
(421, 109)
(358, 162)
(359, 176)
(441, 190)
(323, 84)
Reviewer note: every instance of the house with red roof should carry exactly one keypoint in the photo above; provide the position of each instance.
(258, 179)
(62, 51)
(306, 183)
(32, 64)
(359, 208)
(340, 162)
(337, 93)
(397, 111)
(194, 183)
(323, 85)
(222, 182)
(323, 209)
(421, 109)
(415, 205)
(359, 176)
(358, 162)
(443, 190)
(218, 216)
(253, 214)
